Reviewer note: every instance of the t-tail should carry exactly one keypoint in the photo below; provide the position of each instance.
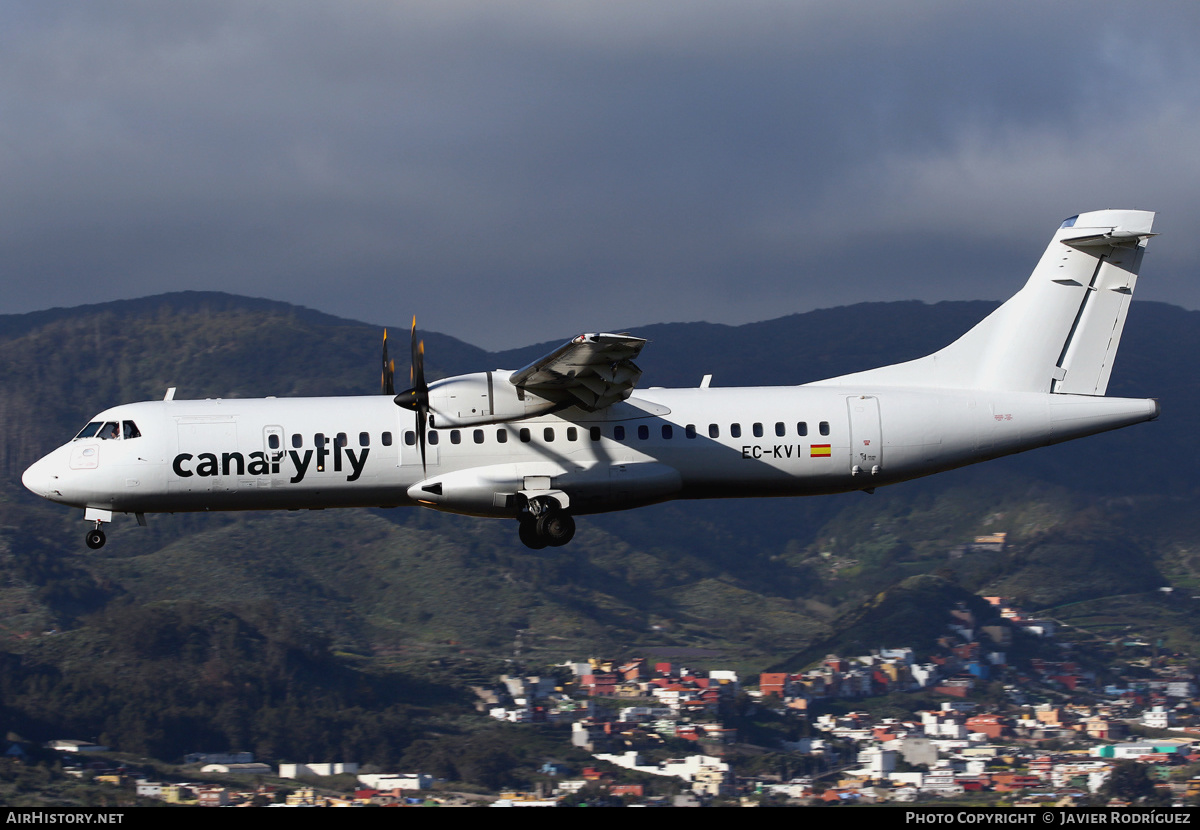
(1059, 333)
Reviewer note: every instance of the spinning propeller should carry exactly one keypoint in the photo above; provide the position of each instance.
(416, 398)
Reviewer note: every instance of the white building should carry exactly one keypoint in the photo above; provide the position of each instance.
(396, 781)
(316, 770)
(1158, 717)
(238, 769)
(687, 768)
(941, 781)
(876, 762)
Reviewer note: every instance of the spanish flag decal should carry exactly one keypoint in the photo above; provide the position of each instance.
(818, 450)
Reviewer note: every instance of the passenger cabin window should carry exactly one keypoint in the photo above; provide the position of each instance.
(548, 434)
(667, 432)
(735, 430)
(410, 438)
(714, 431)
(319, 439)
(478, 436)
(619, 433)
(364, 439)
(386, 439)
(272, 441)
(433, 437)
(342, 440)
(689, 431)
(802, 428)
(643, 432)
(297, 440)
(455, 436)
(780, 429)
(572, 434)
(502, 436)
(824, 427)
(525, 435)
(757, 430)
(594, 432)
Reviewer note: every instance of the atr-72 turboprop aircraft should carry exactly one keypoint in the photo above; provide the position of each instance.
(569, 434)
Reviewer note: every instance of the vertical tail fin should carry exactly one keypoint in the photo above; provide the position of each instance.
(1088, 352)
(1057, 334)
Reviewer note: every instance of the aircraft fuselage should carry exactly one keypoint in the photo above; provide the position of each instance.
(281, 453)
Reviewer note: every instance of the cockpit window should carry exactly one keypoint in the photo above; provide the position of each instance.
(110, 430)
(90, 430)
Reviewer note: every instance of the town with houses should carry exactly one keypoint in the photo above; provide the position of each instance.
(663, 734)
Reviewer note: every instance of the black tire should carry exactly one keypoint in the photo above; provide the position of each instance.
(95, 539)
(556, 528)
(527, 530)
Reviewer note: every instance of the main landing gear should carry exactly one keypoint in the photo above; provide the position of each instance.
(545, 526)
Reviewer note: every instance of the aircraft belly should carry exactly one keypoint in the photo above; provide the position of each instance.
(620, 486)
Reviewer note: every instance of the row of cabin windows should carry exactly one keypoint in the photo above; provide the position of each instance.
(548, 434)
(618, 433)
(320, 440)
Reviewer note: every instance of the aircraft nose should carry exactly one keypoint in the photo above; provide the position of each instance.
(38, 479)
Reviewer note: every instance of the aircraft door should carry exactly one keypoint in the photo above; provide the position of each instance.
(202, 445)
(273, 447)
(866, 441)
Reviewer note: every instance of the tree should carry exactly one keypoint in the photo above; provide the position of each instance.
(1129, 782)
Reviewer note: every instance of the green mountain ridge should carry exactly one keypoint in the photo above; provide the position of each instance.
(407, 592)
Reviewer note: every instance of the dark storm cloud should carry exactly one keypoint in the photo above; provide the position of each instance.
(521, 171)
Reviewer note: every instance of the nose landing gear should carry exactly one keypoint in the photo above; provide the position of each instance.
(95, 537)
(99, 515)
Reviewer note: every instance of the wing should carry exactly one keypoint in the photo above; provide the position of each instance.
(592, 371)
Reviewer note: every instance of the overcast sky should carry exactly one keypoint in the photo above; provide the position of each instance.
(520, 171)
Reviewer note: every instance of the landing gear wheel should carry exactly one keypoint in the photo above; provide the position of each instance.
(95, 539)
(556, 528)
(527, 530)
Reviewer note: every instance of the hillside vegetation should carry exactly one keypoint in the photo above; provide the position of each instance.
(226, 631)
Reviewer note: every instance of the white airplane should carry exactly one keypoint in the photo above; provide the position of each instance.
(569, 435)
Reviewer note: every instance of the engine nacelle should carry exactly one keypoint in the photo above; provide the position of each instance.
(497, 490)
(482, 398)
(501, 489)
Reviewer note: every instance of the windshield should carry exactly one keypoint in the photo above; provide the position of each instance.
(109, 430)
(90, 430)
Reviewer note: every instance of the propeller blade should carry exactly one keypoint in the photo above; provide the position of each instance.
(422, 422)
(389, 370)
(416, 398)
(417, 367)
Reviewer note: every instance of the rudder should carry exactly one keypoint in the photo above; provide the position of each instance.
(1085, 364)
(1060, 332)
